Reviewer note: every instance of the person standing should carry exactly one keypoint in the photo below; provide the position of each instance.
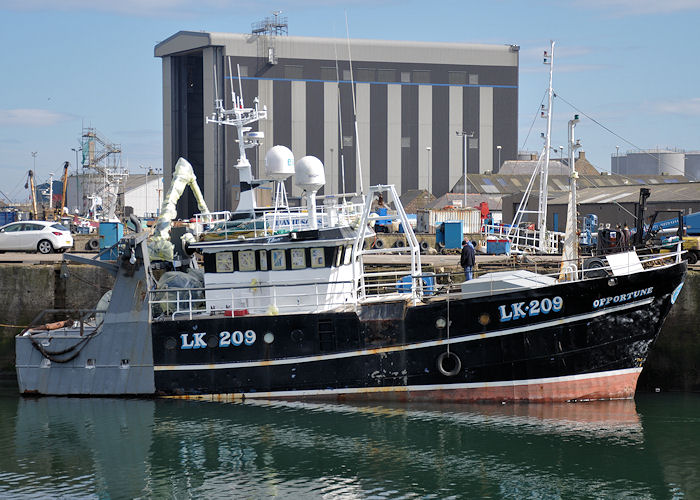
(467, 259)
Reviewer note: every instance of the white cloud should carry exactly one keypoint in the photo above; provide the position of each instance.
(639, 7)
(32, 117)
(687, 107)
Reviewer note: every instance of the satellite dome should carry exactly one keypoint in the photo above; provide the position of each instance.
(310, 174)
(279, 163)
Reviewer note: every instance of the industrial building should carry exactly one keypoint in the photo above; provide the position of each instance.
(416, 105)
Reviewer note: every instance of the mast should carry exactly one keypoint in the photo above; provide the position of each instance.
(569, 257)
(239, 116)
(542, 209)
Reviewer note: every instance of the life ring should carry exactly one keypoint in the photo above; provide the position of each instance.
(455, 369)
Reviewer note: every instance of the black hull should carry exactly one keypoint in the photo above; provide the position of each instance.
(582, 340)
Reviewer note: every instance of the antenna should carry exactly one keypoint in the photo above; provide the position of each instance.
(240, 87)
(216, 86)
(340, 118)
(354, 108)
(230, 76)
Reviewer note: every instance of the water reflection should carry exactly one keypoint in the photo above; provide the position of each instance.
(116, 448)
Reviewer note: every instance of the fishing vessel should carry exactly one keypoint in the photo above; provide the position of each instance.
(292, 312)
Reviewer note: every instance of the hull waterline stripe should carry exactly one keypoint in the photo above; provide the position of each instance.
(420, 345)
(419, 388)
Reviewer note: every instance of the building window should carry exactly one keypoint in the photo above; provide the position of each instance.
(347, 141)
(329, 74)
(421, 76)
(294, 72)
(386, 75)
(473, 79)
(366, 75)
(457, 77)
(405, 142)
(405, 77)
(346, 75)
(473, 143)
(243, 71)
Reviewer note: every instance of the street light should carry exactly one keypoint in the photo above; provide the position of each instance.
(499, 156)
(428, 151)
(464, 135)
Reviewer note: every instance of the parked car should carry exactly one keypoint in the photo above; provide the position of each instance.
(35, 236)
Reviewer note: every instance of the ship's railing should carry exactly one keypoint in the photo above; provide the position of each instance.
(297, 218)
(317, 296)
(251, 299)
(206, 221)
(523, 239)
(280, 220)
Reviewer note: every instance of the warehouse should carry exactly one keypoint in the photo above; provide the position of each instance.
(416, 105)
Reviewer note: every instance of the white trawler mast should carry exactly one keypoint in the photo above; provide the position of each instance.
(240, 117)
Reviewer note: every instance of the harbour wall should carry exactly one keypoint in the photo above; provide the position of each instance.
(28, 289)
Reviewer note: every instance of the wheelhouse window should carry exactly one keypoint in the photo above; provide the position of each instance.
(298, 256)
(318, 257)
(279, 260)
(224, 262)
(348, 255)
(246, 260)
(262, 255)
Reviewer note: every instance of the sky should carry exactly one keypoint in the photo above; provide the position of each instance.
(630, 68)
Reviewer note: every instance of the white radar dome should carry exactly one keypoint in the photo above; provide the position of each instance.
(279, 163)
(310, 174)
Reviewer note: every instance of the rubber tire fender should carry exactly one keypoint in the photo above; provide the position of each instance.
(441, 360)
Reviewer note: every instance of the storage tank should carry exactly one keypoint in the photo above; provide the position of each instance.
(618, 165)
(655, 162)
(692, 165)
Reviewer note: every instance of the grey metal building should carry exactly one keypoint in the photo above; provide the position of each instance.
(411, 99)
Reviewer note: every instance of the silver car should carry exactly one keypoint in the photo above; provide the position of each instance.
(35, 236)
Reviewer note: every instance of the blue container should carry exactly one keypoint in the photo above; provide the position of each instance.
(7, 217)
(498, 247)
(110, 234)
(428, 284)
(450, 234)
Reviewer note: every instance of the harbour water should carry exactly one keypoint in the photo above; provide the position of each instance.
(142, 448)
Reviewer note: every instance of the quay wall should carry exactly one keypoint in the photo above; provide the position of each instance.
(27, 289)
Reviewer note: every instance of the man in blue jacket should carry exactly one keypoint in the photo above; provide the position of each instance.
(467, 259)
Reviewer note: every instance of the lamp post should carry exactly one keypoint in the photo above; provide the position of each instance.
(499, 147)
(427, 149)
(617, 159)
(464, 135)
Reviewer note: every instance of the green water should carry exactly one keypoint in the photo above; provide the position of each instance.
(131, 448)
